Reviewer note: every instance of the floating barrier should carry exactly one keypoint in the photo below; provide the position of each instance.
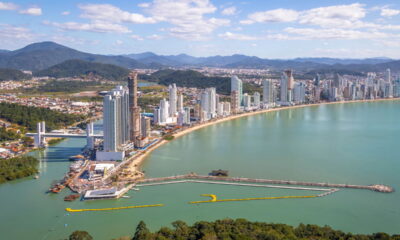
(109, 209)
(214, 198)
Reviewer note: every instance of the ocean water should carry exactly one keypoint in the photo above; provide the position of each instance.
(355, 143)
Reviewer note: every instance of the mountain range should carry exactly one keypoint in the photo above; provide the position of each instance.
(42, 55)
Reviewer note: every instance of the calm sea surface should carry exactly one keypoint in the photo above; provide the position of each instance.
(345, 143)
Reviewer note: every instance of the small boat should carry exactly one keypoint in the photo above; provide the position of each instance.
(219, 173)
(126, 196)
(76, 158)
(71, 197)
(36, 177)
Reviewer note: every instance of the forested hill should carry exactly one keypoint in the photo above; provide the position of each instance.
(12, 74)
(76, 68)
(241, 229)
(189, 78)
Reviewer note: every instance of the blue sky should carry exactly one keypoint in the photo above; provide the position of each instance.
(264, 28)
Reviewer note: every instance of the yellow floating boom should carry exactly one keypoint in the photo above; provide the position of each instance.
(214, 198)
(109, 209)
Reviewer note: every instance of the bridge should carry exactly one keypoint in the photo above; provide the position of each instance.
(40, 136)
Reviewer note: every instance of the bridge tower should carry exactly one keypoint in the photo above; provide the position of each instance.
(39, 139)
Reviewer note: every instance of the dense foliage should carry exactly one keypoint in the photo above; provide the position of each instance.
(12, 74)
(76, 68)
(65, 86)
(7, 135)
(80, 235)
(242, 229)
(189, 78)
(28, 116)
(18, 167)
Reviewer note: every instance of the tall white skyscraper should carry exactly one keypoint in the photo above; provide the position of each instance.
(237, 85)
(180, 103)
(299, 92)
(246, 101)
(268, 93)
(256, 98)
(173, 99)
(116, 118)
(284, 90)
(388, 76)
(208, 102)
(164, 113)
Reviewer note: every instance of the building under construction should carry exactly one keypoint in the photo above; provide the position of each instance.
(134, 109)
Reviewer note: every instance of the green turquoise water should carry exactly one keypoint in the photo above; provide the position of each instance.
(345, 143)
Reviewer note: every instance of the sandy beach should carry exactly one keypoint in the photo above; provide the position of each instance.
(138, 160)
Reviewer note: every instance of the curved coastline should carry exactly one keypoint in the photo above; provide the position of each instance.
(138, 161)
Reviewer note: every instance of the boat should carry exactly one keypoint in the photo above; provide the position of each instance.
(76, 158)
(36, 177)
(71, 197)
(57, 188)
(219, 173)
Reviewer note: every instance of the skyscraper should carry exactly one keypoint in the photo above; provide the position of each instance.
(208, 102)
(115, 119)
(237, 85)
(268, 93)
(256, 98)
(388, 76)
(284, 90)
(172, 100)
(299, 92)
(180, 103)
(133, 107)
(235, 102)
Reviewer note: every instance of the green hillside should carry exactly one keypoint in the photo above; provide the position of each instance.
(12, 74)
(76, 68)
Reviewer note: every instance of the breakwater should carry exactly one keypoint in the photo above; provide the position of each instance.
(193, 176)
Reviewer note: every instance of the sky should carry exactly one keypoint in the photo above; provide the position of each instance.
(265, 28)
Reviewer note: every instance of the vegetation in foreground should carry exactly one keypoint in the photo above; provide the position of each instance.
(241, 229)
(18, 167)
(28, 116)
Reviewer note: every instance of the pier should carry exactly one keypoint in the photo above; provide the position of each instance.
(192, 177)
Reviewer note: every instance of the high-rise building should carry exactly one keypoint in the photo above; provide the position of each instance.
(268, 93)
(299, 93)
(388, 76)
(208, 102)
(289, 76)
(246, 101)
(180, 103)
(172, 100)
(317, 80)
(134, 107)
(256, 98)
(145, 126)
(235, 102)
(237, 85)
(116, 119)
(285, 97)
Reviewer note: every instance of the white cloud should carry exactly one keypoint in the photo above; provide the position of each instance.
(10, 32)
(334, 16)
(333, 33)
(338, 16)
(277, 15)
(34, 11)
(137, 37)
(229, 11)
(119, 42)
(101, 27)
(387, 12)
(187, 16)
(110, 13)
(7, 6)
(155, 37)
(65, 13)
(237, 36)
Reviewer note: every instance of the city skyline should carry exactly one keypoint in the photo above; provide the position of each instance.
(356, 29)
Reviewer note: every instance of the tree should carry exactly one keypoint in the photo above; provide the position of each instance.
(80, 235)
(142, 232)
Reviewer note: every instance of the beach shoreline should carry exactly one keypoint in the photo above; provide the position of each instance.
(138, 160)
